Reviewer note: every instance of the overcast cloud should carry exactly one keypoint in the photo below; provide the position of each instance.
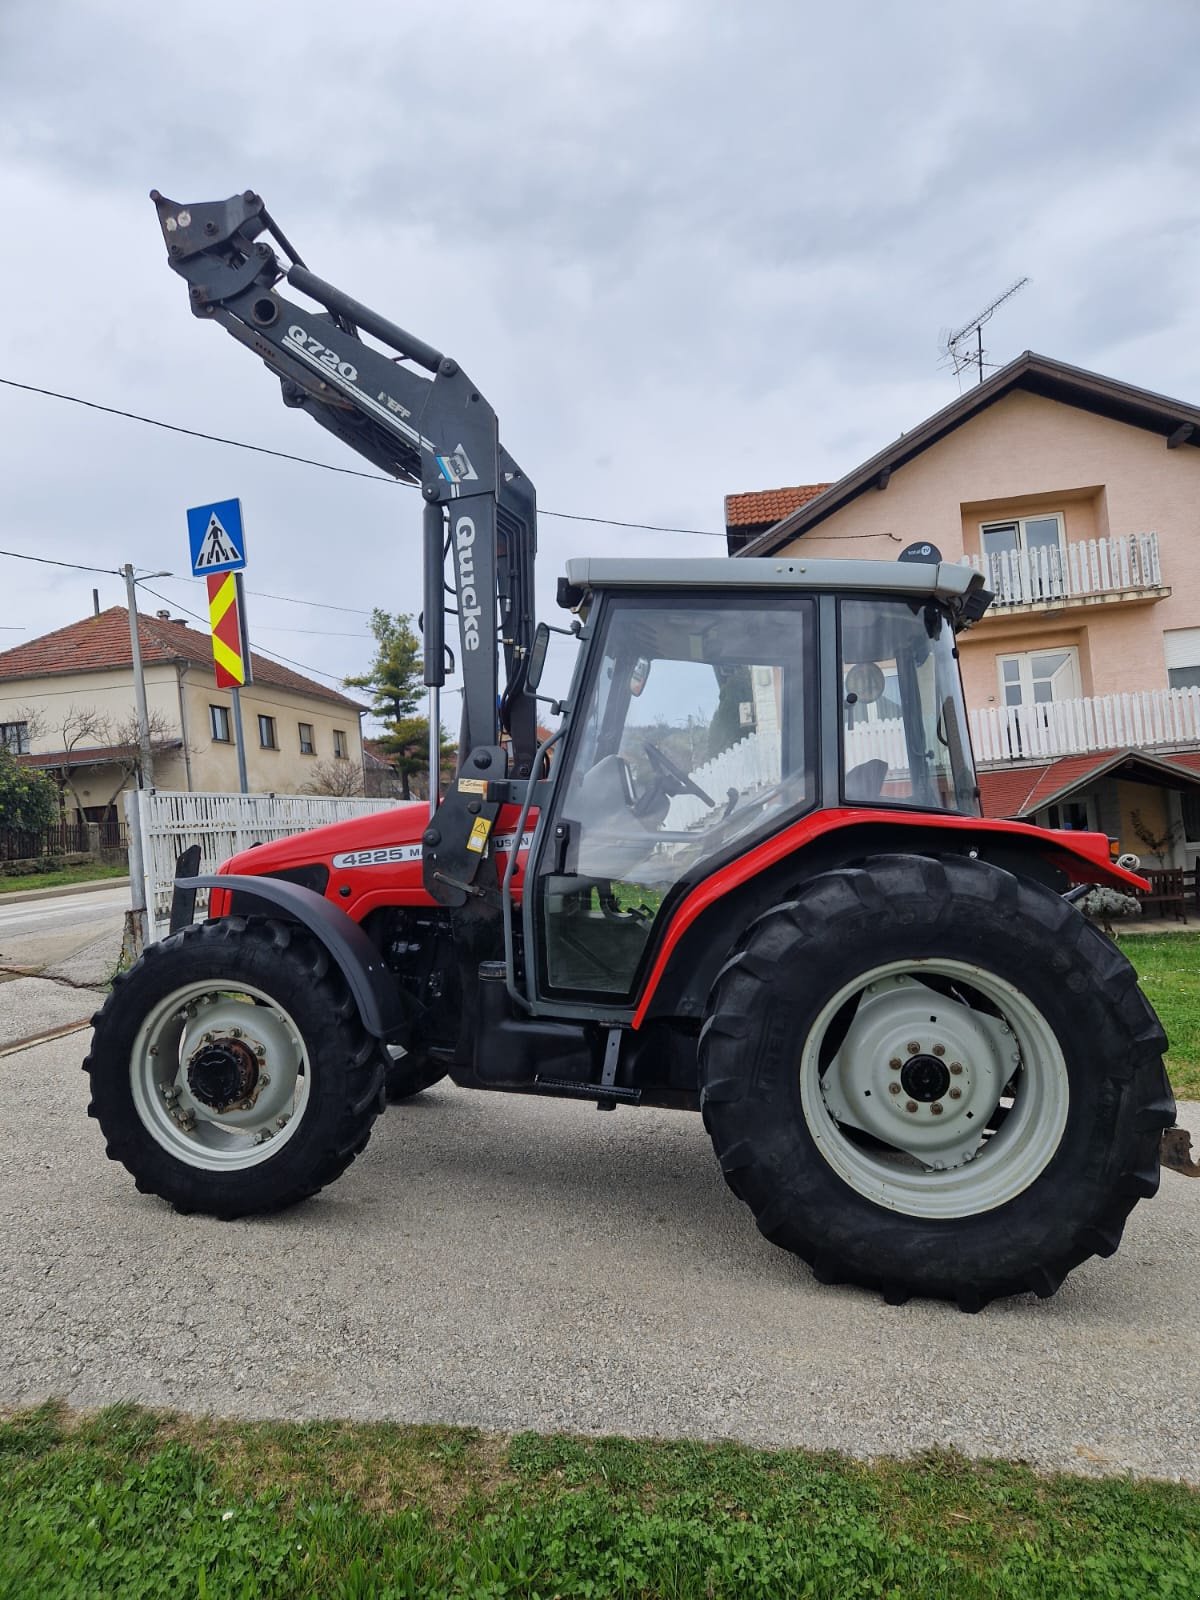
(685, 248)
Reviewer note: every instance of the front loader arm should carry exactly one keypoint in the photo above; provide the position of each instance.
(431, 428)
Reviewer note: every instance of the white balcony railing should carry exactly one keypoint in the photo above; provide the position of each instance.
(1164, 718)
(1083, 569)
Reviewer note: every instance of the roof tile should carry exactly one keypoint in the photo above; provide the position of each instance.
(768, 505)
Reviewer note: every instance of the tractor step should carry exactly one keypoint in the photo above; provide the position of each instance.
(604, 1095)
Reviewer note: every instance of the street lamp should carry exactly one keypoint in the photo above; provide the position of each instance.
(146, 778)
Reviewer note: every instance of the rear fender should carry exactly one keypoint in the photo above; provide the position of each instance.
(706, 920)
(379, 1000)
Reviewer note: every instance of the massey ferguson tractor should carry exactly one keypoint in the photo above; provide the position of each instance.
(745, 874)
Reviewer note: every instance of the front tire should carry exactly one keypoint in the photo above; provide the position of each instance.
(933, 1077)
(230, 1071)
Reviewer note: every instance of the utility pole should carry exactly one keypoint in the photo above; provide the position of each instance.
(139, 685)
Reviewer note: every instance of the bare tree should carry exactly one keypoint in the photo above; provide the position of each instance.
(342, 778)
(125, 741)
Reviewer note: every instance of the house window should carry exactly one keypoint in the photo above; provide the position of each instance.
(14, 737)
(1190, 807)
(218, 721)
(307, 747)
(1025, 557)
(1035, 677)
(1071, 814)
(266, 733)
(1182, 649)
(340, 748)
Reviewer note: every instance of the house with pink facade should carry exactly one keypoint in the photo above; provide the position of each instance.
(1078, 497)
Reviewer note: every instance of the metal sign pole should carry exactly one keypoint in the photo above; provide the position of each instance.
(139, 685)
(235, 695)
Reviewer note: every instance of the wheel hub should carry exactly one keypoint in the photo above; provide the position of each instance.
(223, 1073)
(920, 1071)
(925, 1078)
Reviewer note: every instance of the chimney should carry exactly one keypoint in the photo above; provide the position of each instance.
(163, 616)
(95, 602)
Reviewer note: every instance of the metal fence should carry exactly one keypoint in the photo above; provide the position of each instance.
(168, 821)
(62, 839)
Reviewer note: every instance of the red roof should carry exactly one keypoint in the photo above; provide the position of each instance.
(768, 505)
(101, 644)
(1019, 791)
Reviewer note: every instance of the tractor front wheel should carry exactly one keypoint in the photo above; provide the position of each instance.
(230, 1071)
(933, 1077)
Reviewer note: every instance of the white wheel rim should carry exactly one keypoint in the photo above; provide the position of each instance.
(984, 1144)
(172, 1076)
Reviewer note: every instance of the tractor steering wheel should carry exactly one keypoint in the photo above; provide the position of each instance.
(664, 767)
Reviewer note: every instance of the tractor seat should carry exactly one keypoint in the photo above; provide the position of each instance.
(864, 783)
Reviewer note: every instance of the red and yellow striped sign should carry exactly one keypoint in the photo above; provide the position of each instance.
(224, 613)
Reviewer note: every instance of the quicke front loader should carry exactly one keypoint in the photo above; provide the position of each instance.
(746, 873)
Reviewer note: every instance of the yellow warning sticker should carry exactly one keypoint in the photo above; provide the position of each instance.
(472, 786)
(480, 829)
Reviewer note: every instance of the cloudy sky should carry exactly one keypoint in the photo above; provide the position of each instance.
(684, 247)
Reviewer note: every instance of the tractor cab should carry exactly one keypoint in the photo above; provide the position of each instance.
(718, 702)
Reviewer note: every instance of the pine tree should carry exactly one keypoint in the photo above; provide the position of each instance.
(394, 681)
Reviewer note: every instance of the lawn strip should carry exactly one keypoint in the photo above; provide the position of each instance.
(128, 1503)
(1168, 969)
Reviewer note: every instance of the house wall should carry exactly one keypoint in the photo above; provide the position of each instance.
(281, 771)
(205, 765)
(1025, 454)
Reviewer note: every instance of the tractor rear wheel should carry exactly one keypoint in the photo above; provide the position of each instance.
(230, 1071)
(929, 1076)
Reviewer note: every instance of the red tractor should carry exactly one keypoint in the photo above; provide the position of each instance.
(746, 874)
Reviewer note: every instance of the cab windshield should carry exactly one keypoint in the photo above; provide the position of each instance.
(696, 732)
(904, 724)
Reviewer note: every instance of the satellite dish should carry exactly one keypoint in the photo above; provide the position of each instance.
(921, 551)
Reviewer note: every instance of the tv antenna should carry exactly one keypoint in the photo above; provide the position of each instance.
(960, 349)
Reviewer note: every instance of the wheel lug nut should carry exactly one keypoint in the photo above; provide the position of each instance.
(956, 1067)
(956, 1094)
(939, 1049)
(235, 1033)
(910, 1105)
(914, 1047)
(206, 1038)
(895, 1063)
(937, 1108)
(893, 1088)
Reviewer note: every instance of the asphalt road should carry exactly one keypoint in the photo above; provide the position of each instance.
(36, 932)
(512, 1264)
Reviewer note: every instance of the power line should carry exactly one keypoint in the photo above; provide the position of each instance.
(192, 433)
(47, 561)
(274, 655)
(307, 461)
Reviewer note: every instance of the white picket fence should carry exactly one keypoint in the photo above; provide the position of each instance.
(1162, 717)
(1083, 567)
(752, 763)
(168, 821)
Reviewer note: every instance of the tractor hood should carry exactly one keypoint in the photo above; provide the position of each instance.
(400, 825)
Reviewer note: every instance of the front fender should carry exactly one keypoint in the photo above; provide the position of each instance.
(379, 1000)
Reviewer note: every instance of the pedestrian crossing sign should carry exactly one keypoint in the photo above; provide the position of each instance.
(216, 538)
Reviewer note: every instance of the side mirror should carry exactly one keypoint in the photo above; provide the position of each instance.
(537, 656)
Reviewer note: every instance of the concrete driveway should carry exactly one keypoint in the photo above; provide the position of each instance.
(513, 1263)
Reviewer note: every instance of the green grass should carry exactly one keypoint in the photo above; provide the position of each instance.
(92, 873)
(128, 1504)
(1168, 968)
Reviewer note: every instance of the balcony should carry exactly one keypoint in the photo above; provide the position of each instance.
(1162, 719)
(1091, 572)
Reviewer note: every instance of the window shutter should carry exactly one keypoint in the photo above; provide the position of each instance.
(1182, 647)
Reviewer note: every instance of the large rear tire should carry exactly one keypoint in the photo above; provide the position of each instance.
(230, 1071)
(932, 1077)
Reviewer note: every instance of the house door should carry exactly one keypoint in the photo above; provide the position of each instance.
(1036, 676)
(1029, 682)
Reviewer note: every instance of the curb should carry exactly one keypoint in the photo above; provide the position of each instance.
(16, 897)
